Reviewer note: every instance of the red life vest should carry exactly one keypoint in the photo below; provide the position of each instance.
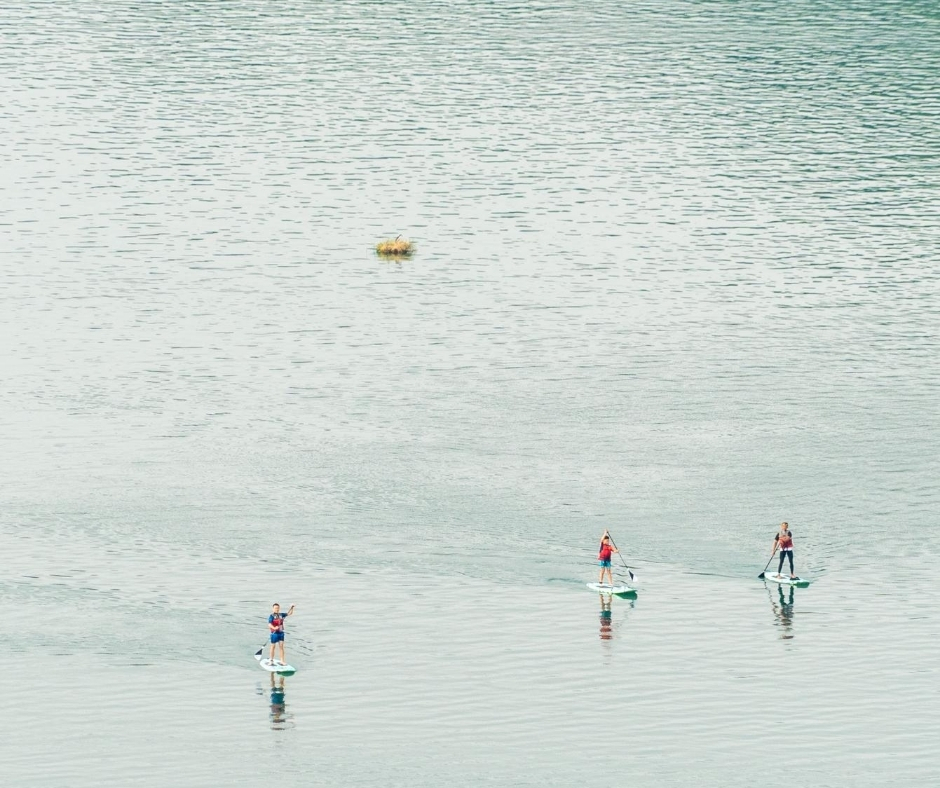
(785, 540)
(605, 553)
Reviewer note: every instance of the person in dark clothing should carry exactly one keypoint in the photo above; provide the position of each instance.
(783, 541)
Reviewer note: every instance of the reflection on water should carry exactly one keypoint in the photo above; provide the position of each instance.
(783, 609)
(607, 615)
(278, 715)
(607, 628)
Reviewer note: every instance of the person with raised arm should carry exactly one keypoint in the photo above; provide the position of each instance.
(607, 549)
(276, 630)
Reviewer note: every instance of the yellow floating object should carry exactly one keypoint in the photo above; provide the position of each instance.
(397, 247)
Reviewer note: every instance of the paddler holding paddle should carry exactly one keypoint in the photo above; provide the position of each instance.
(784, 542)
(603, 558)
(276, 628)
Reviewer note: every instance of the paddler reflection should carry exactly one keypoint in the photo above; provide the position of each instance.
(607, 613)
(278, 705)
(607, 628)
(783, 610)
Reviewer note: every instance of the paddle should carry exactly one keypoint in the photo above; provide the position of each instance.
(761, 575)
(259, 655)
(632, 576)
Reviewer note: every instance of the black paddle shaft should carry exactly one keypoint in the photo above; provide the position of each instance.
(761, 575)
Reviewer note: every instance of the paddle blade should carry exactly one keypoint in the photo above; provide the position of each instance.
(259, 653)
(760, 576)
(632, 576)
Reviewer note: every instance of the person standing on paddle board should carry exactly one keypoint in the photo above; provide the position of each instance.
(276, 628)
(603, 558)
(784, 542)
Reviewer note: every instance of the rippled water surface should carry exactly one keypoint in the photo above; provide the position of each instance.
(677, 275)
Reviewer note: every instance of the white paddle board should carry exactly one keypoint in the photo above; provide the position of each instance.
(785, 580)
(274, 666)
(605, 588)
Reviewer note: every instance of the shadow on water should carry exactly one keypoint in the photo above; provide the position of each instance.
(782, 605)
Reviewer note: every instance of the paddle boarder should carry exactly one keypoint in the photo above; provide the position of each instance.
(783, 540)
(603, 558)
(276, 628)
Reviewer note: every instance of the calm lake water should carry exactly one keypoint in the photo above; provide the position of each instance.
(677, 275)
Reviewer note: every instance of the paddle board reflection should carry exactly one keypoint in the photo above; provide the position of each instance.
(783, 610)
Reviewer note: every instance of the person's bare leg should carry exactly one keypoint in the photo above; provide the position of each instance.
(271, 654)
(281, 649)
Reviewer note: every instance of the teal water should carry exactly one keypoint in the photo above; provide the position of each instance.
(676, 276)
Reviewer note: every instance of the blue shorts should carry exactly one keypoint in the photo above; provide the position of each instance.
(277, 637)
(605, 564)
